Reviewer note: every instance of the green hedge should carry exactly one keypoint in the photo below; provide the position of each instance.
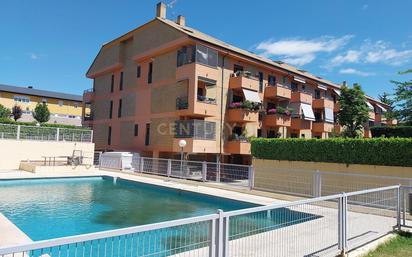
(387, 131)
(10, 121)
(375, 151)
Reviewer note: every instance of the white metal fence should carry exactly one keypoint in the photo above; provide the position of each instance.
(323, 226)
(20, 132)
(232, 174)
(320, 183)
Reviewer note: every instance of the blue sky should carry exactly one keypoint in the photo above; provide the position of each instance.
(50, 44)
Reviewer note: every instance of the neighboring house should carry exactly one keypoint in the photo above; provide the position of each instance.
(64, 108)
(164, 81)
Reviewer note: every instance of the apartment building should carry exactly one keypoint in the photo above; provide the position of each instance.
(64, 108)
(164, 81)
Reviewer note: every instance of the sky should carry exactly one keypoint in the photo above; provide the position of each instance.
(50, 44)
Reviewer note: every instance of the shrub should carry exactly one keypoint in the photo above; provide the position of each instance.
(375, 151)
(41, 113)
(386, 131)
(4, 112)
(33, 123)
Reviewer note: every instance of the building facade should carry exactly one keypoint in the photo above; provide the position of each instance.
(64, 108)
(164, 82)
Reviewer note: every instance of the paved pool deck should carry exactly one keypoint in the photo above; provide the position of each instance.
(303, 239)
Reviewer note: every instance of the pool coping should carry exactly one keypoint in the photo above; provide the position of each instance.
(14, 234)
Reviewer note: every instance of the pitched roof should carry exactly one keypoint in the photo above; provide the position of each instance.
(38, 92)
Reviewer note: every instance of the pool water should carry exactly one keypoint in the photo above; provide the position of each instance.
(51, 208)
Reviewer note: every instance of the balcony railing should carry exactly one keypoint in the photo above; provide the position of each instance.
(197, 129)
(89, 90)
(240, 80)
(206, 100)
(278, 90)
(182, 103)
(301, 96)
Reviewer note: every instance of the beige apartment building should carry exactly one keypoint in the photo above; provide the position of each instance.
(164, 81)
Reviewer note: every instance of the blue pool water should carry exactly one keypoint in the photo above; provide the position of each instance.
(51, 208)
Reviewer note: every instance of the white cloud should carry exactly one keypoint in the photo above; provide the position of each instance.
(356, 72)
(373, 52)
(350, 56)
(299, 51)
(34, 56)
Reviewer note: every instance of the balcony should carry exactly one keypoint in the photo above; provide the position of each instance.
(277, 120)
(380, 117)
(322, 103)
(371, 115)
(321, 126)
(277, 91)
(203, 107)
(301, 124)
(244, 81)
(302, 97)
(242, 115)
(194, 145)
(88, 95)
(237, 146)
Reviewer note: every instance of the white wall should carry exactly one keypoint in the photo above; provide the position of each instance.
(14, 151)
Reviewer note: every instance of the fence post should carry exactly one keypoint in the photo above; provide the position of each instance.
(57, 134)
(251, 177)
(91, 135)
(212, 235)
(343, 224)
(219, 234)
(18, 132)
(169, 167)
(141, 164)
(218, 171)
(398, 207)
(204, 171)
(317, 184)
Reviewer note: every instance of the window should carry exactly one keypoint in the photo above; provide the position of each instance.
(294, 87)
(44, 100)
(22, 99)
(119, 110)
(205, 55)
(112, 84)
(260, 82)
(318, 116)
(303, 88)
(150, 73)
(271, 80)
(109, 136)
(147, 139)
(138, 71)
(136, 130)
(237, 68)
(121, 80)
(186, 55)
(317, 94)
(60, 103)
(76, 104)
(111, 110)
(259, 133)
(284, 80)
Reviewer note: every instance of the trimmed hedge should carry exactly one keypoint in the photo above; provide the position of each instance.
(12, 122)
(374, 151)
(386, 131)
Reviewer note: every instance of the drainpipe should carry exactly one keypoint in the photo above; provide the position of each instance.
(221, 105)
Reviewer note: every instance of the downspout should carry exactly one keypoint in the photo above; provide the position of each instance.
(221, 105)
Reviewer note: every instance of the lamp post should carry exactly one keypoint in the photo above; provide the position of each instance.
(182, 144)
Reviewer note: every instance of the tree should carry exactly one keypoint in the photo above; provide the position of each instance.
(386, 98)
(16, 111)
(403, 98)
(41, 113)
(353, 112)
(4, 112)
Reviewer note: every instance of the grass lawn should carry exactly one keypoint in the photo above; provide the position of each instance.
(400, 246)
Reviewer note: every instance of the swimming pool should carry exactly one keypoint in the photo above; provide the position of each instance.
(59, 207)
(51, 208)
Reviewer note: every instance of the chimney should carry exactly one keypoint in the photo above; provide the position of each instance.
(161, 10)
(181, 20)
